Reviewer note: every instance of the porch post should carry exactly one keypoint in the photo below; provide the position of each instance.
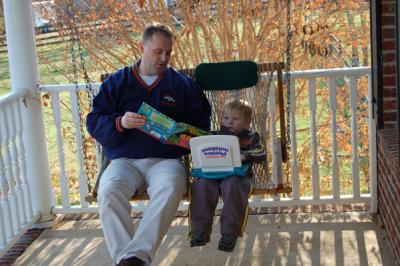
(21, 46)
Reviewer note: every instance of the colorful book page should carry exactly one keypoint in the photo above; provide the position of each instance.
(166, 130)
(157, 124)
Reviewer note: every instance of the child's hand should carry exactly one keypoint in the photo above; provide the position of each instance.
(242, 157)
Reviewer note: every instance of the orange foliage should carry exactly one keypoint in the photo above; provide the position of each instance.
(325, 34)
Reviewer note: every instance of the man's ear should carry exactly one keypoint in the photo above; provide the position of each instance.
(141, 47)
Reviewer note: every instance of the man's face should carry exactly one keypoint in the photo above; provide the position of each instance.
(156, 54)
(234, 121)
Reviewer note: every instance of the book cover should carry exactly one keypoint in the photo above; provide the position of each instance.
(157, 124)
(167, 130)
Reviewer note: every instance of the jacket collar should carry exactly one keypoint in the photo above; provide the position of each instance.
(135, 72)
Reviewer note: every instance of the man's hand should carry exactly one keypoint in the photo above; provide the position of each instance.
(132, 120)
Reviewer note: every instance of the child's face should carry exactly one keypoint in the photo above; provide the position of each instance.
(234, 121)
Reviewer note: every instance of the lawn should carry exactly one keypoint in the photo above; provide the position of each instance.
(5, 85)
(55, 67)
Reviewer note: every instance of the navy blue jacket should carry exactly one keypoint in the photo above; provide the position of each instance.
(173, 93)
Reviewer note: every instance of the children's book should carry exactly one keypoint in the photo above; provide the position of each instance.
(167, 130)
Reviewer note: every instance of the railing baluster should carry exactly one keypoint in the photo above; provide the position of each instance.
(83, 191)
(22, 162)
(312, 96)
(293, 141)
(15, 199)
(271, 110)
(354, 139)
(99, 158)
(64, 185)
(10, 193)
(335, 164)
(315, 165)
(98, 152)
(2, 228)
(372, 149)
(15, 164)
(5, 211)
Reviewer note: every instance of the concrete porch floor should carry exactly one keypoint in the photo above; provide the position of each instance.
(342, 238)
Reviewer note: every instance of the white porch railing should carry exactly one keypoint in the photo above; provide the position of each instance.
(67, 164)
(16, 215)
(350, 79)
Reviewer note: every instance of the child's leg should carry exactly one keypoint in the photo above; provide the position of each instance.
(235, 192)
(204, 195)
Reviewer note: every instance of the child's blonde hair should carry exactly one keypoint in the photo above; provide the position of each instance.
(240, 106)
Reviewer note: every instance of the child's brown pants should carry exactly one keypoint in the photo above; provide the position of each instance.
(204, 196)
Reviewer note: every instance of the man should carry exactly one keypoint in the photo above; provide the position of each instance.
(138, 160)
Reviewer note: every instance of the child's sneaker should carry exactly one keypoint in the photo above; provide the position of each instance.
(227, 242)
(199, 239)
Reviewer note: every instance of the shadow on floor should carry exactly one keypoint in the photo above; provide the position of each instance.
(348, 238)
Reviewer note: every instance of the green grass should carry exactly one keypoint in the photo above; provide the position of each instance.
(55, 67)
(47, 75)
(5, 85)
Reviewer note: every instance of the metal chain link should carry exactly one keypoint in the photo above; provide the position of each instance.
(75, 47)
(287, 76)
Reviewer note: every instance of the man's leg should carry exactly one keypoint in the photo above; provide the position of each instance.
(117, 185)
(166, 182)
(204, 195)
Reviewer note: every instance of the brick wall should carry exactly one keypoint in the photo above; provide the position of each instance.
(389, 187)
(387, 143)
(388, 62)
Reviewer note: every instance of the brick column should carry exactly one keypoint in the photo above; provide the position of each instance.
(389, 187)
(388, 173)
(389, 63)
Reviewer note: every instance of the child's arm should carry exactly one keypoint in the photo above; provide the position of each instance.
(254, 150)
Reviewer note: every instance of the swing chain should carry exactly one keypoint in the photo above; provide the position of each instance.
(288, 61)
(76, 47)
(287, 79)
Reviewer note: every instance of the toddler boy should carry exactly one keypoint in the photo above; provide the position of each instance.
(234, 190)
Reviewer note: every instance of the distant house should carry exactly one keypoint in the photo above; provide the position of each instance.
(41, 13)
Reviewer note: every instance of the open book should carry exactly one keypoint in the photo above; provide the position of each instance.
(167, 130)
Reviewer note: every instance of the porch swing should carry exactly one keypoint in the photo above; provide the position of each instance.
(244, 80)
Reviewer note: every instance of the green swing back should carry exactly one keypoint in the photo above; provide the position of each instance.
(227, 75)
(221, 82)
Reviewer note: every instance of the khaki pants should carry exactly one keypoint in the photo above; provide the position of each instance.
(165, 180)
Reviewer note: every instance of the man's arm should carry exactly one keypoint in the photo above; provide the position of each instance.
(104, 122)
